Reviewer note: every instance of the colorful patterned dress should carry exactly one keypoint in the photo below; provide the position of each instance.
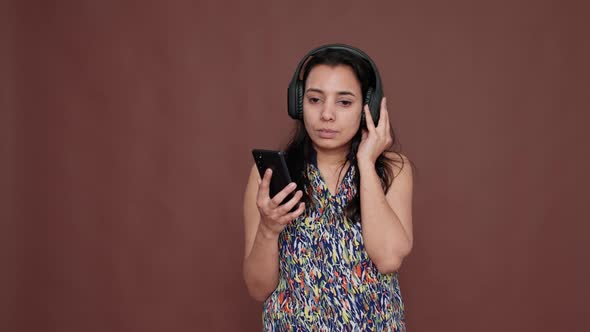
(327, 281)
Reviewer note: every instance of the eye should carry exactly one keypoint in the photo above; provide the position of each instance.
(313, 100)
(345, 103)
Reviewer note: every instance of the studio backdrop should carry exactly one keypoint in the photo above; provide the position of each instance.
(125, 136)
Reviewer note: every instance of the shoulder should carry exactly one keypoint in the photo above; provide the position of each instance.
(399, 164)
(252, 187)
(254, 175)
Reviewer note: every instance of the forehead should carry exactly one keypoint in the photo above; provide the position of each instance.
(339, 77)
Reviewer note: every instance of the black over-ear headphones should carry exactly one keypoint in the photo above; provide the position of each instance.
(295, 90)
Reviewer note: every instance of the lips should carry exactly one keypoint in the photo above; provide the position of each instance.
(327, 133)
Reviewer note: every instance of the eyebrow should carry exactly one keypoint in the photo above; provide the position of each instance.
(340, 93)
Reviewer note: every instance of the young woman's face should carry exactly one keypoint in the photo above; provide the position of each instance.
(332, 106)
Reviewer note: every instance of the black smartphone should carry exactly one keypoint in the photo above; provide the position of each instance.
(276, 161)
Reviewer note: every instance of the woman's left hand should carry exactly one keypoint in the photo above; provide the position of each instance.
(374, 140)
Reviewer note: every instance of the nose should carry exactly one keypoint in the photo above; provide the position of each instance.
(327, 113)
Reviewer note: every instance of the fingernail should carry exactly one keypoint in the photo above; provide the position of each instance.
(292, 185)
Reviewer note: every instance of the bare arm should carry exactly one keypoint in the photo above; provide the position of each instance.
(264, 219)
(386, 219)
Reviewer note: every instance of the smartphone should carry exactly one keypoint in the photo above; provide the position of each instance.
(276, 161)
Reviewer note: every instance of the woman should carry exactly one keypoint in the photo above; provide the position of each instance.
(331, 264)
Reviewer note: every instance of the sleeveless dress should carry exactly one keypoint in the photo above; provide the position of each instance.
(327, 282)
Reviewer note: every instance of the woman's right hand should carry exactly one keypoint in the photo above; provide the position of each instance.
(274, 217)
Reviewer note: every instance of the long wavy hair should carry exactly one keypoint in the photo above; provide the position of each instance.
(300, 150)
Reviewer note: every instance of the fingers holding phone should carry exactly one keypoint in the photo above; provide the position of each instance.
(276, 214)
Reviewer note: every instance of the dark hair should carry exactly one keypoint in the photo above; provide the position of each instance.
(300, 151)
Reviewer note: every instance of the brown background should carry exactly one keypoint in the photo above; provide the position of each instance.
(125, 136)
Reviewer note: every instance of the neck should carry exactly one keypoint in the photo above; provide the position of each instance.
(332, 158)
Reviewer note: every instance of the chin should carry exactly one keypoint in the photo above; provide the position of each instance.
(328, 144)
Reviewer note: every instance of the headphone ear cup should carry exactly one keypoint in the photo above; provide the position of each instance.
(368, 96)
(375, 104)
(363, 118)
(299, 100)
(367, 101)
